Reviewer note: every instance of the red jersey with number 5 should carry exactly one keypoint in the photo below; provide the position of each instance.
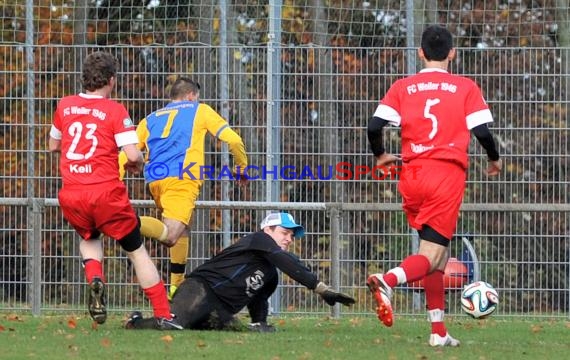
(91, 129)
(436, 110)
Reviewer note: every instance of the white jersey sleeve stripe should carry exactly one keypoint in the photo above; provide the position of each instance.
(126, 138)
(389, 114)
(55, 133)
(479, 117)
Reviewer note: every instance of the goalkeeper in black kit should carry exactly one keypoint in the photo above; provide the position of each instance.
(243, 274)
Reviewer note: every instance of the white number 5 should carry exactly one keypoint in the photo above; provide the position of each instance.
(76, 130)
(430, 116)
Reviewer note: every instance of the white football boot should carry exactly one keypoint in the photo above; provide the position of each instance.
(447, 340)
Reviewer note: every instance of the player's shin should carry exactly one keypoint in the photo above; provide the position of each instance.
(435, 301)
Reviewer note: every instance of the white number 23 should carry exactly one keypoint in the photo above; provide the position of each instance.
(76, 130)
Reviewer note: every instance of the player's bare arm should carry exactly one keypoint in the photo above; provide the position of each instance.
(494, 168)
(386, 160)
(54, 145)
(135, 160)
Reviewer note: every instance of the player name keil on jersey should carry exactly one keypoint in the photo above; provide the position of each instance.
(80, 110)
(80, 169)
(431, 86)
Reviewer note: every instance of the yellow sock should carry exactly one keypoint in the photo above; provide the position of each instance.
(153, 228)
(178, 256)
(171, 290)
(176, 279)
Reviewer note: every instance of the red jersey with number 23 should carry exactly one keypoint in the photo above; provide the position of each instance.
(436, 110)
(91, 129)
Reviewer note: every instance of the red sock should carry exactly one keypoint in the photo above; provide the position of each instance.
(415, 267)
(435, 299)
(93, 268)
(157, 296)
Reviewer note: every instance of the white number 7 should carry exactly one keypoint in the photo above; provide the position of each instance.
(428, 115)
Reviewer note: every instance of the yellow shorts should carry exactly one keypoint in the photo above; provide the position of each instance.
(176, 198)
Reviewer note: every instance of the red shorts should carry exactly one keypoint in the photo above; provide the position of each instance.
(433, 195)
(104, 208)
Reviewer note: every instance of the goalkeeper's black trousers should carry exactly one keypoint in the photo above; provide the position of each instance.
(195, 306)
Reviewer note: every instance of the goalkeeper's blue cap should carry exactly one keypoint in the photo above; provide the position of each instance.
(285, 220)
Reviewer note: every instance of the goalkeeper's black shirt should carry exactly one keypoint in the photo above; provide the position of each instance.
(248, 268)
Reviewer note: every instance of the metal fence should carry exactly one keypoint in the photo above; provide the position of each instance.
(47, 276)
(520, 232)
(301, 107)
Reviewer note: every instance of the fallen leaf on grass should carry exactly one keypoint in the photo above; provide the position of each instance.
(356, 321)
(105, 342)
(71, 324)
(201, 344)
(167, 338)
(13, 317)
(2, 328)
(536, 328)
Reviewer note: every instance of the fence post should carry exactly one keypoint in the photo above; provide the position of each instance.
(334, 214)
(225, 112)
(35, 255)
(273, 127)
(410, 40)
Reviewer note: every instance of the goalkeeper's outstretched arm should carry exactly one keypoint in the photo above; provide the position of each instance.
(292, 266)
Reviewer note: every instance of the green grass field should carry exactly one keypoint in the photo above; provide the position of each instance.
(77, 337)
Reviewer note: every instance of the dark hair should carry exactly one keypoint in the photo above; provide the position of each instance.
(183, 86)
(437, 42)
(98, 68)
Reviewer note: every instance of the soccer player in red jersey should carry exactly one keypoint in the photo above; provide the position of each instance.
(437, 113)
(89, 129)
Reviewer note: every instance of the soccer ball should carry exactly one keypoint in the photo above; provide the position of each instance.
(479, 299)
